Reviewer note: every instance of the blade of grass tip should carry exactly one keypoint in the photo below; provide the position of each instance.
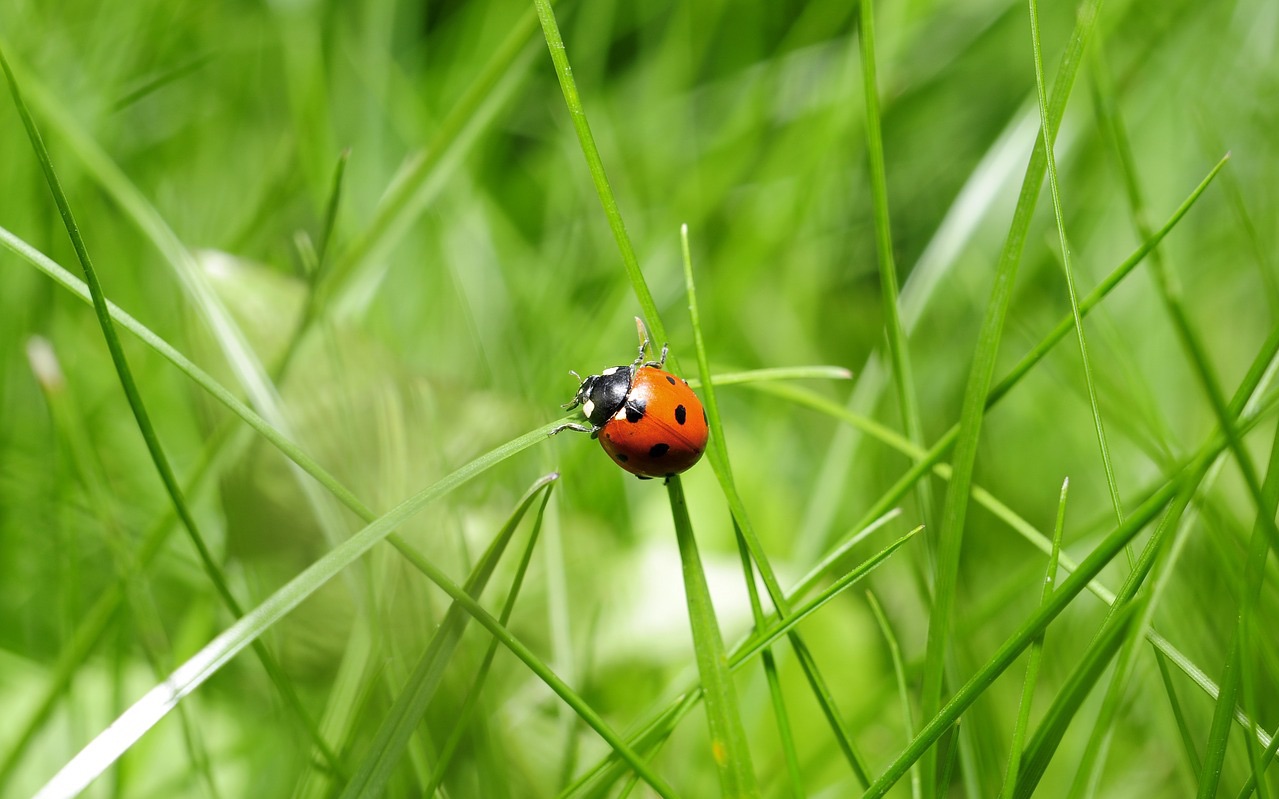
(1254, 575)
(770, 673)
(655, 731)
(1015, 749)
(717, 451)
(729, 750)
(316, 272)
(144, 714)
(899, 673)
(564, 72)
(1073, 293)
(392, 738)
(1021, 638)
(143, 419)
(1218, 735)
(898, 346)
(955, 505)
(1133, 602)
(1267, 757)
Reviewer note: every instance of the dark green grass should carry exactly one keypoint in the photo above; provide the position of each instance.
(370, 238)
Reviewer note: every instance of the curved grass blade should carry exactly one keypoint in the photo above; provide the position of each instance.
(147, 711)
(653, 733)
(898, 346)
(1032, 627)
(729, 750)
(776, 373)
(899, 672)
(717, 452)
(1054, 190)
(955, 507)
(1015, 749)
(564, 72)
(406, 714)
(770, 674)
(143, 420)
(472, 697)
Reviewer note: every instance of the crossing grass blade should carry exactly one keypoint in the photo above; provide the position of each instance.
(955, 506)
(717, 453)
(898, 346)
(1050, 161)
(651, 734)
(143, 421)
(1015, 749)
(729, 749)
(388, 746)
(899, 672)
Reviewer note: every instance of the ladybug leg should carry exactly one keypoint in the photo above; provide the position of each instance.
(579, 428)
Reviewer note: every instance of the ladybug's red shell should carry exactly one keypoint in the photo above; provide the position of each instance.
(660, 430)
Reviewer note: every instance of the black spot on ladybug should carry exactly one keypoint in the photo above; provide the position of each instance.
(670, 380)
(658, 450)
(621, 456)
(635, 410)
(680, 414)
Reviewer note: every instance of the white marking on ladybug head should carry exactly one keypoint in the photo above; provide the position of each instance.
(588, 408)
(610, 371)
(621, 413)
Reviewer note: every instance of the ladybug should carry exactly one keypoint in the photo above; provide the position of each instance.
(648, 420)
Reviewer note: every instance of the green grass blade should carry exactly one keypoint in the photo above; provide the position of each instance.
(1055, 191)
(1254, 569)
(955, 507)
(1013, 646)
(143, 419)
(147, 711)
(729, 750)
(655, 731)
(471, 702)
(770, 673)
(898, 346)
(392, 738)
(717, 452)
(899, 672)
(563, 71)
(421, 176)
(1016, 748)
(777, 373)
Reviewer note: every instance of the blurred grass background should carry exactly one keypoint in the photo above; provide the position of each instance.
(453, 322)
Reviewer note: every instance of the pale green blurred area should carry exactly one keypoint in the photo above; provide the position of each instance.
(743, 121)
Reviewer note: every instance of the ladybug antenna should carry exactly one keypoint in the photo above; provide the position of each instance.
(575, 375)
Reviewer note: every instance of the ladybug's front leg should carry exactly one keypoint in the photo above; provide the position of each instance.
(579, 428)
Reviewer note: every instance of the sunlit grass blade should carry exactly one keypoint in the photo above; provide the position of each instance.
(899, 673)
(406, 714)
(784, 733)
(1032, 627)
(1223, 711)
(1050, 161)
(471, 702)
(898, 346)
(143, 420)
(777, 373)
(568, 85)
(717, 453)
(955, 507)
(729, 750)
(655, 731)
(1016, 747)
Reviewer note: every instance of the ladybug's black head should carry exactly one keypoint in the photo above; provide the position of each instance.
(603, 395)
